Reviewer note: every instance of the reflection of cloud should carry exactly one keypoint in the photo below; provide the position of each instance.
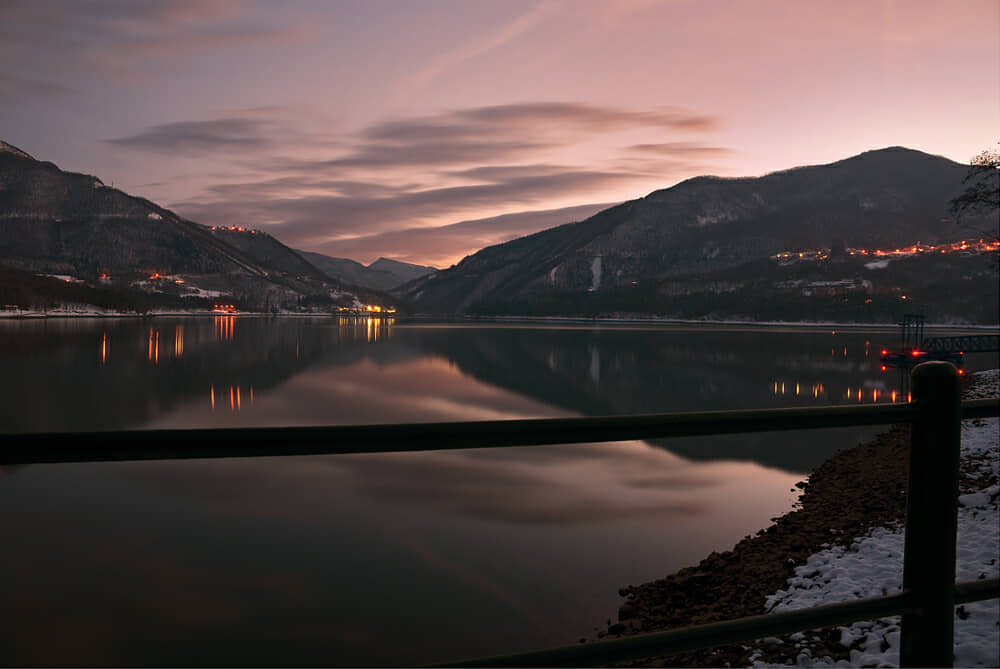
(539, 485)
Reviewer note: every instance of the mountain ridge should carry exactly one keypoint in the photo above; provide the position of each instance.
(68, 223)
(624, 258)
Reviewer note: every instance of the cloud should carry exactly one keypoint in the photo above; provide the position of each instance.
(121, 40)
(535, 119)
(14, 89)
(482, 43)
(402, 182)
(200, 137)
(310, 220)
(681, 149)
(445, 245)
(589, 117)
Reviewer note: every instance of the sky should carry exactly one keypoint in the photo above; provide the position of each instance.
(424, 130)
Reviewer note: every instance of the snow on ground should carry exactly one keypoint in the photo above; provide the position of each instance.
(873, 566)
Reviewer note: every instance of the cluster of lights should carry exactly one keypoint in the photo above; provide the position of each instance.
(820, 254)
(234, 228)
(917, 354)
(980, 246)
(369, 309)
(224, 308)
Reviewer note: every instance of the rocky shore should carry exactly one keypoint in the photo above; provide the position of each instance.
(857, 489)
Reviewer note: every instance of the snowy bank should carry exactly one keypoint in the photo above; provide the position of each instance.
(873, 566)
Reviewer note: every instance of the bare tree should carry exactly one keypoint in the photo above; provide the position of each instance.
(982, 187)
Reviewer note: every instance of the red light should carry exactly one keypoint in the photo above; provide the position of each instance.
(961, 371)
(884, 351)
(915, 353)
(883, 368)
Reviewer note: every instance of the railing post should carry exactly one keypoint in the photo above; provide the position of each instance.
(932, 518)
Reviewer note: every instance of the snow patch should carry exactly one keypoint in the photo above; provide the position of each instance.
(154, 216)
(595, 273)
(872, 566)
(878, 264)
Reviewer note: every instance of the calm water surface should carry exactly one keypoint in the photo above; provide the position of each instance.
(394, 559)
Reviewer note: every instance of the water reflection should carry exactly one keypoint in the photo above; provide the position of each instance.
(309, 561)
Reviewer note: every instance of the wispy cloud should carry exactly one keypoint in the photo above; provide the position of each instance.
(118, 40)
(481, 44)
(388, 181)
(15, 88)
(442, 246)
(189, 137)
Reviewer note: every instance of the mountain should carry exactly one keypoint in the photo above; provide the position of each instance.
(712, 237)
(402, 271)
(383, 274)
(74, 225)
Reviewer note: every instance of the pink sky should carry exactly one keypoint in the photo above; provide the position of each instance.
(424, 131)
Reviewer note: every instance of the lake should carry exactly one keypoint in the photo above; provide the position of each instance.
(391, 559)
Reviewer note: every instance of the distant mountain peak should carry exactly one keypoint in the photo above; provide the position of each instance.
(10, 148)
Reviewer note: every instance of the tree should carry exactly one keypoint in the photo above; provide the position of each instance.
(982, 192)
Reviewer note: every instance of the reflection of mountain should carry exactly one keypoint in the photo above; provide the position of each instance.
(118, 374)
(628, 372)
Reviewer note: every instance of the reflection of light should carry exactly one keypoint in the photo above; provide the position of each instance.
(104, 348)
(153, 346)
(178, 341)
(859, 394)
(235, 397)
(796, 389)
(893, 397)
(225, 327)
(875, 395)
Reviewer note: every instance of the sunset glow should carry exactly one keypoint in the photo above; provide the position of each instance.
(425, 131)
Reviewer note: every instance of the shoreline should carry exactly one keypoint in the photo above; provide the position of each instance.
(853, 492)
(416, 321)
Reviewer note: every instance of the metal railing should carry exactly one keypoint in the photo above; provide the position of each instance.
(929, 590)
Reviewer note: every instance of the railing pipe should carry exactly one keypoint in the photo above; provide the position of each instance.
(343, 439)
(927, 638)
(659, 644)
